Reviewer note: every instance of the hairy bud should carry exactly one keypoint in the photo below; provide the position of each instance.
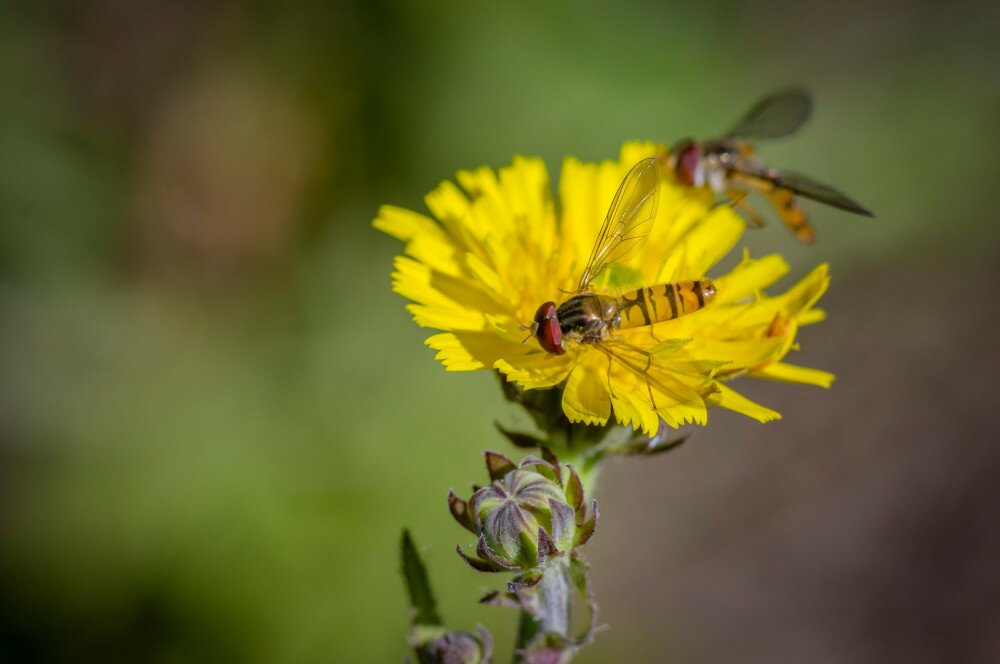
(527, 515)
(456, 648)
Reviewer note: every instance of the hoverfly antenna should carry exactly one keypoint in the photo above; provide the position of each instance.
(533, 330)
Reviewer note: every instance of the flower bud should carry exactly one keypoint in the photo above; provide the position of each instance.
(457, 648)
(527, 515)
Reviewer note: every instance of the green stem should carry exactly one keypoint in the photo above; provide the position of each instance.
(553, 600)
(551, 606)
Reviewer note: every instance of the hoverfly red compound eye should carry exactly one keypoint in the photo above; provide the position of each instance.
(547, 329)
(685, 158)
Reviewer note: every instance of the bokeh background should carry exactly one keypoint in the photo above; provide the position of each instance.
(215, 417)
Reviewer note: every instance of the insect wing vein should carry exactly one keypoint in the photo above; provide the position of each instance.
(628, 222)
(806, 186)
(779, 114)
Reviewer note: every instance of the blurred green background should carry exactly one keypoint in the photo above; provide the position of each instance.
(215, 417)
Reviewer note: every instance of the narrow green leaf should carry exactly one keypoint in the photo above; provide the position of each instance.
(418, 586)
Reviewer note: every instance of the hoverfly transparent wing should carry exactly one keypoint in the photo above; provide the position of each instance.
(779, 114)
(805, 186)
(629, 220)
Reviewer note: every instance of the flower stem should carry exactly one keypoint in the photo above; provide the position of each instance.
(549, 614)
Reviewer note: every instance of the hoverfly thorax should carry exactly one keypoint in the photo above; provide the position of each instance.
(546, 330)
(588, 317)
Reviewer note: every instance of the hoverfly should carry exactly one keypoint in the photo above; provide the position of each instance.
(730, 166)
(590, 317)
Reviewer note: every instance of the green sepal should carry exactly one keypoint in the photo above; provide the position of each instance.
(524, 581)
(549, 456)
(543, 467)
(650, 445)
(497, 465)
(547, 548)
(460, 510)
(519, 439)
(574, 490)
(586, 530)
(496, 598)
(478, 564)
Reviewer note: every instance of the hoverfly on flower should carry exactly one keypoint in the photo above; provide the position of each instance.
(590, 317)
(497, 243)
(729, 166)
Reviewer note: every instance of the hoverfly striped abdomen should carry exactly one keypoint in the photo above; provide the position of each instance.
(663, 302)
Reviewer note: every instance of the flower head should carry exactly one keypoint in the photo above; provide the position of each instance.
(499, 247)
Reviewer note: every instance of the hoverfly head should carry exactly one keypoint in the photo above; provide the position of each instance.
(685, 162)
(546, 329)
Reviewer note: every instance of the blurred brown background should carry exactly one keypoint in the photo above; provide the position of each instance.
(215, 416)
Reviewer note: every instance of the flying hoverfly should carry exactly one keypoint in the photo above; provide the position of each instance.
(593, 318)
(729, 165)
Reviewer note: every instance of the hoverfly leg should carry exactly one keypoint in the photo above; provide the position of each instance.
(649, 364)
(652, 335)
(611, 390)
(738, 199)
(532, 330)
(641, 351)
(719, 202)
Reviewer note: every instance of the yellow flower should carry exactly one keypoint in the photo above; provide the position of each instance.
(499, 247)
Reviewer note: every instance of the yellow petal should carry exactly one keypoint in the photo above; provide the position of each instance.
(423, 285)
(644, 391)
(738, 354)
(632, 152)
(586, 397)
(449, 205)
(490, 282)
(536, 369)
(525, 186)
(814, 315)
(728, 398)
(446, 318)
(750, 276)
(478, 183)
(465, 351)
(404, 224)
(426, 241)
(806, 293)
(679, 399)
(702, 246)
(795, 374)
(586, 192)
(633, 411)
